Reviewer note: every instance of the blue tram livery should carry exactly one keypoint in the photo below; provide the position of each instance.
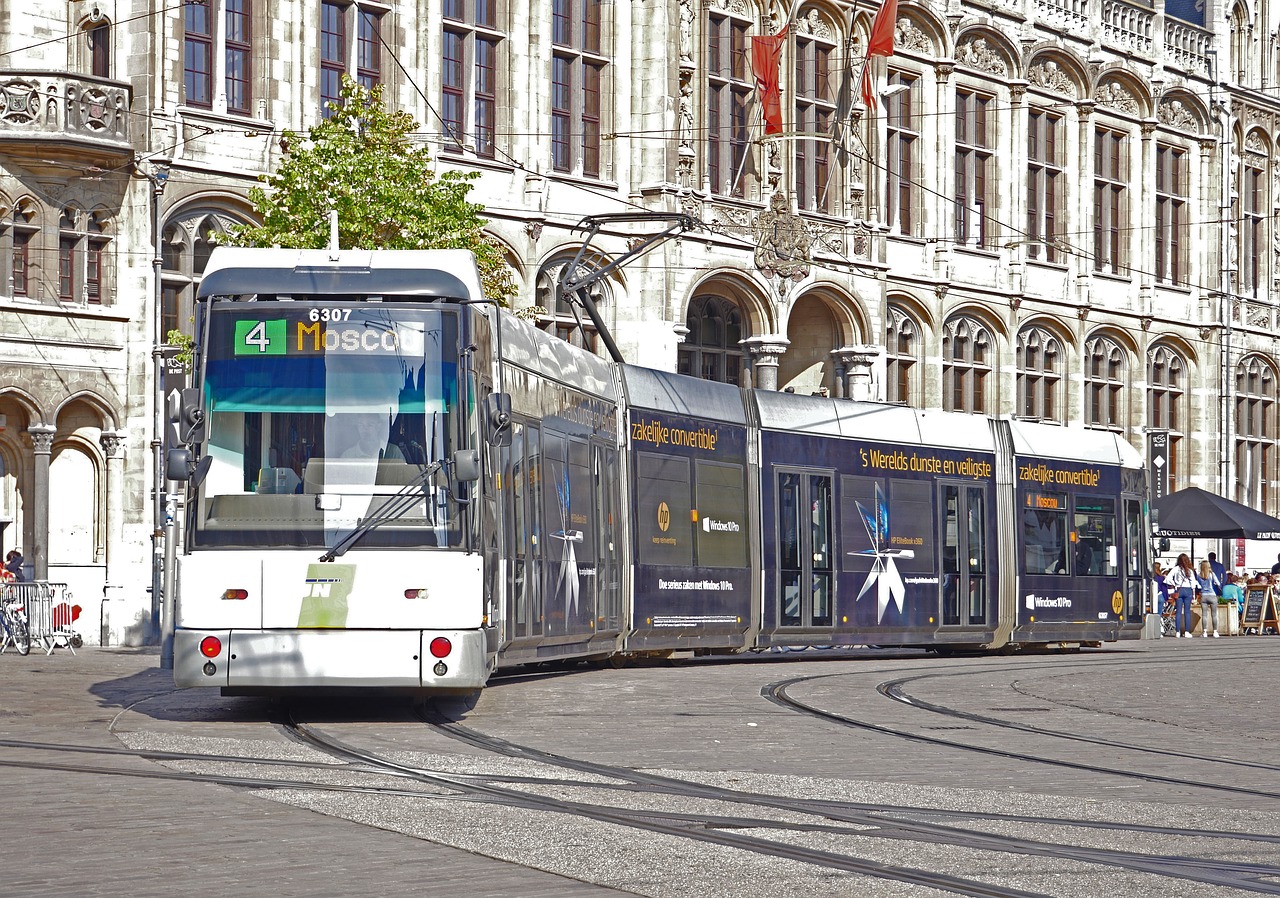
(393, 483)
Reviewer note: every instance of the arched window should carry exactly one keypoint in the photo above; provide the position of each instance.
(98, 37)
(1039, 375)
(712, 349)
(901, 355)
(558, 315)
(966, 365)
(1105, 375)
(1166, 410)
(1254, 208)
(186, 244)
(1255, 454)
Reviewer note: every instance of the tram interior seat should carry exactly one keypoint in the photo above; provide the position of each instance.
(319, 473)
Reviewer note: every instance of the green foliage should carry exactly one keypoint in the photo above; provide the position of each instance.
(186, 347)
(362, 162)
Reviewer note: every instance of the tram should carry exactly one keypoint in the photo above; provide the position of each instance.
(392, 483)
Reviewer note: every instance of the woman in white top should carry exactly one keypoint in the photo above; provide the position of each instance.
(1182, 585)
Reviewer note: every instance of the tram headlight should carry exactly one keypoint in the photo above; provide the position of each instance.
(441, 647)
(440, 669)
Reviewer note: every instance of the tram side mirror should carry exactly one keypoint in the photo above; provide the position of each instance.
(466, 466)
(177, 464)
(497, 417)
(185, 412)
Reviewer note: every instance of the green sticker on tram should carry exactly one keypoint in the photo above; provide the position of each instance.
(325, 602)
(260, 337)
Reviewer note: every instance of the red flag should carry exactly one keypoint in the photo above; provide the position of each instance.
(879, 44)
(766, 56)
(881, 41)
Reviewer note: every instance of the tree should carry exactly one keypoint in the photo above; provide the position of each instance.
(363, 162)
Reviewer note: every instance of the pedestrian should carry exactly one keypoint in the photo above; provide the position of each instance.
(1208, 590)
(1182, 584)
(13, 563)
(1158, 576)
(1275, 568)
(1219, 569)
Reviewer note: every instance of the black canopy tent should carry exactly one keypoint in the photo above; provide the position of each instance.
(1200, 514)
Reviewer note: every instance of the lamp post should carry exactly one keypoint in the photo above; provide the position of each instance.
(158, 177)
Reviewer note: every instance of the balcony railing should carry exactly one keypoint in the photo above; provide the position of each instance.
(1128, 26)
(1065, 15)
(38, 108)
(1186, 46)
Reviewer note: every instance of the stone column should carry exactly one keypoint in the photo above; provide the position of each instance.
(856, 362)
(112, 443)
(42, 446)
(764, 353)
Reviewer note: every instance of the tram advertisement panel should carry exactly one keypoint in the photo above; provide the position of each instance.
(692, 568)
(913, 530)
(1069, 542)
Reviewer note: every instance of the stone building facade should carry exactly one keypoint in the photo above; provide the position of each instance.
(1056, 209)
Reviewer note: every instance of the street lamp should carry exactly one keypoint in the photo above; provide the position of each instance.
(158, 176)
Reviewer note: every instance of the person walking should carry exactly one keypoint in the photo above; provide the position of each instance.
(1182, 584)
(1209, 587)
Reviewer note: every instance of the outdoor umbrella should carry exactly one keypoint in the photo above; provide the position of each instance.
(1198, 513)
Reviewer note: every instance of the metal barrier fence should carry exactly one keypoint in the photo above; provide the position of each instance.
(51, 616)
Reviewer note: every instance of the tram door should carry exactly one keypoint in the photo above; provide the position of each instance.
(605, 486)
(964, 554)
(805, 575)
(524, 594)
(1136, 582)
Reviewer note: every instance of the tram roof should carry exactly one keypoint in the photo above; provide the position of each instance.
(447, 274)
(872, 420)
(535, 350)
(1074, 443)
(682, 394)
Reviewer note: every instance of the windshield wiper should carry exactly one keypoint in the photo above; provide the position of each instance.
(396, 506)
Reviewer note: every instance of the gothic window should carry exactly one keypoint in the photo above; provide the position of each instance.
(186, 245)
(368, 48)
(814, 110)
(577, 72)
(966, 365)
(82, 255)
(1039, 375)
(98, 38)
(1166, 405)
(1105, 381)
(558, 313)
(901, 150)
(712, 350)
(901, 357)
(1171, 214)
(729, 92)
(238, 34)
(1252, 245)
(1255, 449)
(975, 168)
(469, 75)
(1110, 201)
(21, 234)
(333, 54)
(1046, 183)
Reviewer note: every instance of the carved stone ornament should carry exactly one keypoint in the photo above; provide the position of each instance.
(911, 39)
(1050, 76)
(1254, 144)
(1117, 96)
(738, 6)
(111, 443)
(813, 23)
(977, 54)
(782, 243)
(1175, 114)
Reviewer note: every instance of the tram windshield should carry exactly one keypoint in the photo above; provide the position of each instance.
(322, 413)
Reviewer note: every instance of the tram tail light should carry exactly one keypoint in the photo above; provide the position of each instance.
(416, 593)
(238, 595)
(441, 647)
(211, 646)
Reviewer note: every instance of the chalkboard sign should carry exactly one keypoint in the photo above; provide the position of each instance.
(1259, 607)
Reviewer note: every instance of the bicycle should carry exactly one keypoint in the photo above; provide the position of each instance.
(13, 616)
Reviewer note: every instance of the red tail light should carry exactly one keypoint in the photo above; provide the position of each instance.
(237, 594)
(440, 647)
(211, 646)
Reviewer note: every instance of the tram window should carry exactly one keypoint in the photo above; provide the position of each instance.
(663, 504)
(722, 513)
(909, 516)
(1044, 533)
(1096, 551)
